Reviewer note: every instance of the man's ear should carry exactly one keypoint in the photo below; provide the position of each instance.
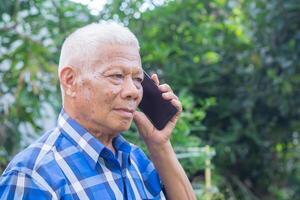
(67, 78)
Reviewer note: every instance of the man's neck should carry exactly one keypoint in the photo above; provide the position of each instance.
(105, 137)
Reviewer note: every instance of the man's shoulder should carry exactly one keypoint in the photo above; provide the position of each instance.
(37, 154)
(37, 162)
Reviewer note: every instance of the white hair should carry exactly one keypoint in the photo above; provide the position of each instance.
(79, 47)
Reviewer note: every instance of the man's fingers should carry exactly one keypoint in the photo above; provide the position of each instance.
(172, 123)
(154, 77)
(164, 88)
(177, 104)
(169, 96)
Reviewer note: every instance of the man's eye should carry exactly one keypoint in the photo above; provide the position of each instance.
(139, 80)
(117, 76)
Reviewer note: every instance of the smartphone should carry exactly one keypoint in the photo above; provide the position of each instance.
(158, 110)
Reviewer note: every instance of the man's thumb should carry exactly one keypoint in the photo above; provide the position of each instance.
(141, 121)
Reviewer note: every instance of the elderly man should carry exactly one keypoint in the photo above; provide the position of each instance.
(85, 156)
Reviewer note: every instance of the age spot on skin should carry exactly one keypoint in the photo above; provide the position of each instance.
(86, 95)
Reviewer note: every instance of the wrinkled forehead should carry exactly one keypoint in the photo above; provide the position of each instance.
(123, 55)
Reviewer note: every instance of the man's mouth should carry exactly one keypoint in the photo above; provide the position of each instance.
(125, 112)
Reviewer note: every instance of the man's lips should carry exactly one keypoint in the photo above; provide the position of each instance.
(126, 112)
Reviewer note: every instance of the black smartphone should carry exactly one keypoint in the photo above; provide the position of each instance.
(156, 108)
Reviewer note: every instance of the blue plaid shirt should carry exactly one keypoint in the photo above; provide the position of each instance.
(69, 163)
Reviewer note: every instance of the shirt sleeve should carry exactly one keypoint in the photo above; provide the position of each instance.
(21, 186)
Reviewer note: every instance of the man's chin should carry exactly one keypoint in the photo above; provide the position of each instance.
(125, 128)
(123, 125)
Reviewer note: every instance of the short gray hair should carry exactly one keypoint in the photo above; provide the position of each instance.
(78, 47)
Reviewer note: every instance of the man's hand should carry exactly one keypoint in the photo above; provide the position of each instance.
(161, 151)
(150, 134)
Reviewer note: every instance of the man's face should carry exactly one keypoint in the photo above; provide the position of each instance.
(110, 91)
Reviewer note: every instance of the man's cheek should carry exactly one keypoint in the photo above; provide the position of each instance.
(88, 95)
(140, 97)
(110, 95)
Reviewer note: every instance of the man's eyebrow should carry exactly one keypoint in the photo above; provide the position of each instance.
(112, 67)
(140, 71)
(125, 68)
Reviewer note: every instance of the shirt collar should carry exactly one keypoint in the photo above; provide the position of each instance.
(121, 144)
(90, 146)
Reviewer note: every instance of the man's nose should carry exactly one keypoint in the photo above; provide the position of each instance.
(130, 90)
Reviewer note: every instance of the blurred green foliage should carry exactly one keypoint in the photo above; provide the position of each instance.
(233, 63)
